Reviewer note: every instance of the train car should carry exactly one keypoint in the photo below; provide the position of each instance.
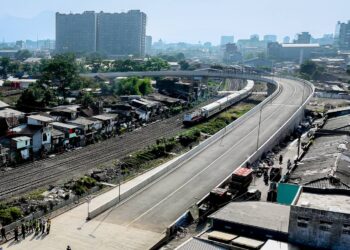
(217, 106)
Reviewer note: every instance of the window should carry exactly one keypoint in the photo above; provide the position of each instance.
(303, 222)
(346, 229)
(325, 226)
(44, 137)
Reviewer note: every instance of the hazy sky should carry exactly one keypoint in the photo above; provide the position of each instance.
(185, 20)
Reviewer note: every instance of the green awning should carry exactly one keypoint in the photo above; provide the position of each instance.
(72, 135)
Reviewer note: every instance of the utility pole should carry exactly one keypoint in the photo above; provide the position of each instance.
(119, 177)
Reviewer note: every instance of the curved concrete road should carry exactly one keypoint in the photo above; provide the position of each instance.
(162, 202)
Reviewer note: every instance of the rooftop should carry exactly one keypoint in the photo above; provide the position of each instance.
(300, 45)
(278, 245)
(338, 109)
(105, 117)
(329, 202)
(266, 215)
(7, 112)
(82, 121)
(41, 118)
(63, 125)
(198, 244)
(326, 164)
(21, 138)
(3, 105)
(327, 159)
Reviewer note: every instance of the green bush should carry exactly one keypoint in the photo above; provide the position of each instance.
(189, 137)
(79, 189)
(83, 185)
(10, 214)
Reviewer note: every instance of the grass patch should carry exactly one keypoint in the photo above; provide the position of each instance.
(36, 195)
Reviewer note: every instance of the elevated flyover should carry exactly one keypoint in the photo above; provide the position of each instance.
(140, 221)
(161, 202)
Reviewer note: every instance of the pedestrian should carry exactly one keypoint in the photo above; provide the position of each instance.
(27, 224)
(289, 164)
(16, 233)
(43, 228)
(281, 159)
(23, 230)
(37, 227)
(32, 225)
(266, 178)
(3, 233)
(48, 226)
(68, 248)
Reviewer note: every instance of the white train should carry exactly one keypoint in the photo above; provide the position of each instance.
(217, 106)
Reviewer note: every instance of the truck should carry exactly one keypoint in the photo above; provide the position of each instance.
(241, 179)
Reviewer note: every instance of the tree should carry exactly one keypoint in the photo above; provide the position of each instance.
(87, 99)
(145, 86)
(184, 65)
(61, 71)
(23, 54)
(134, 86)
(4, 67)
(36, 97)
(310, 70)
(105, 88)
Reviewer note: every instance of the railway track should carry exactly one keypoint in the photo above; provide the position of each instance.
(48, 171)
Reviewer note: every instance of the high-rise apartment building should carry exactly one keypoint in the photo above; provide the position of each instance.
(76, 32)
(112, 34)
(342, 36)
(120, 34)
(148, 45)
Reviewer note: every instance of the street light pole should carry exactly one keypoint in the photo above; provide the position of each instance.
(257, 139)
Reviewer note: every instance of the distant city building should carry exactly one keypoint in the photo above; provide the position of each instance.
(76, 32)
(148, 45)
(226, 39)
(10, 53)
(270, 38)
(286, 39)
(122, 34)
(342, 36)
(113, 34)
(231, 54)
(252, 47)
(292, 52)
(20, 44)
(254, 37)
(40, 44)
(327, 39)
(303, 38)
